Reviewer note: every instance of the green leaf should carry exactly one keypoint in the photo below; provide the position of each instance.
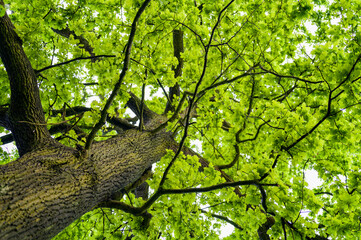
(2, 11)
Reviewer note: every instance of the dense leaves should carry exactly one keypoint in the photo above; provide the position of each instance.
(274, 88)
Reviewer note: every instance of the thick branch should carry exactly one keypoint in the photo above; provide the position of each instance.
(121, 123)
(150, 118)
(63, 127)
(45, 190)
(178, 48)
(83, 43)
(25, 105)
(4, 118)
(262, 231)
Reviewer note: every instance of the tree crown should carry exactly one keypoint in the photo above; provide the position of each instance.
(252, 89)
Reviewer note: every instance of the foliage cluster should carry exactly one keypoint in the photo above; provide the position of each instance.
(272, 100)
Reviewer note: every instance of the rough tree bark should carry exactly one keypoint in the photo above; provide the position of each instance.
(45, 190)
(51, 185)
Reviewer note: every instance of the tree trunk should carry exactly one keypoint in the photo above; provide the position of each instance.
(26, 115)
(44, 191)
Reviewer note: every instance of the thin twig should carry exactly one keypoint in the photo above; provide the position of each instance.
(72, 60)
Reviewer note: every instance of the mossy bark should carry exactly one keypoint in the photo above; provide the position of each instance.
(26, 116)
(44, 191)
(52, 185)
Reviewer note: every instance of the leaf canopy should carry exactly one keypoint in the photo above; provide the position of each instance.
(276, 90)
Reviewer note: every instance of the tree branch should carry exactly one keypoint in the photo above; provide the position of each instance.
(191, 103)
(262, 231)
(141, 124)
(174, 116)
(83, 43)
(72, 60)
(120, 122)
(4, 117)
(160, 192)
(134, 103)
(116, 89)
(62, 127)
(236, 225)
(286, 76)
(71, 111)
(25, 104)
(178, 48)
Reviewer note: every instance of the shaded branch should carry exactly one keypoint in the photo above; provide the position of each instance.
(121, 123)
(178, 48)
(174, 116)
(25, 103)
(262, 231)
(146, 175)
(62, 127)
(134, 103)
(4, 117)
(141, 124)
(83, 43)
(70, 111)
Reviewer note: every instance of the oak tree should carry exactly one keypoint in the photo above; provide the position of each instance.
(152, 119)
